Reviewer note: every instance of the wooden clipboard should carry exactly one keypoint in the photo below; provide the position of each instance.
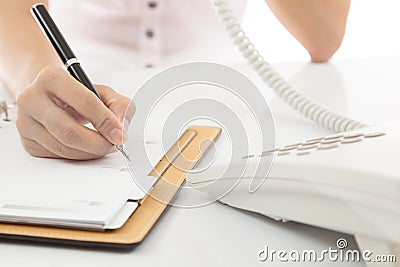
(191, 146)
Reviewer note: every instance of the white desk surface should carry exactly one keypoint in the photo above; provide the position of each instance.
(218, 235)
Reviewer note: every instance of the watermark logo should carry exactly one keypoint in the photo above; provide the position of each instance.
(341, 243)
(202, 94)
(333, 254)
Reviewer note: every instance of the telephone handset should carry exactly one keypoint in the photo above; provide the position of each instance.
(348, 182)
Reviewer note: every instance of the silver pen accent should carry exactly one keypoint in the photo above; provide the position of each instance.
(121, 148)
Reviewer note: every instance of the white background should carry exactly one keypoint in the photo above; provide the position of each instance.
(372, 30)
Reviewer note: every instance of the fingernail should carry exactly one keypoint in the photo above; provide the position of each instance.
(116, 136)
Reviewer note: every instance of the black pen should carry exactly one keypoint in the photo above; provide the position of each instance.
(65, 53)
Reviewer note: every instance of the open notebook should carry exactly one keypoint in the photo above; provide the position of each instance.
(95, 195)
(89, 195)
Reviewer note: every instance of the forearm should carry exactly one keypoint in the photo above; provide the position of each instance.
(24, 50)
(319, 25)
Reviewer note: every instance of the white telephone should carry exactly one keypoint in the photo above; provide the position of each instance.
(348, 182)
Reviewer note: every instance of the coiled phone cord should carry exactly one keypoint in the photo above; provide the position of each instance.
(309, 108)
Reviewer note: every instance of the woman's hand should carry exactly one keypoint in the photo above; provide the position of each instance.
(53, 107)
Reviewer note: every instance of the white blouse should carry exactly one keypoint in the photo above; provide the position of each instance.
(145, 33)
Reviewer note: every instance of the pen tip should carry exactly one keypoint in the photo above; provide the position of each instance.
(123, 152)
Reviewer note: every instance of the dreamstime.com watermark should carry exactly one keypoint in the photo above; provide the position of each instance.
(340, 253)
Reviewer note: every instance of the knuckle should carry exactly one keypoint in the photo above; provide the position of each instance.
(23, 98)
(49, 74)
(69, 135)
(105, 123)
